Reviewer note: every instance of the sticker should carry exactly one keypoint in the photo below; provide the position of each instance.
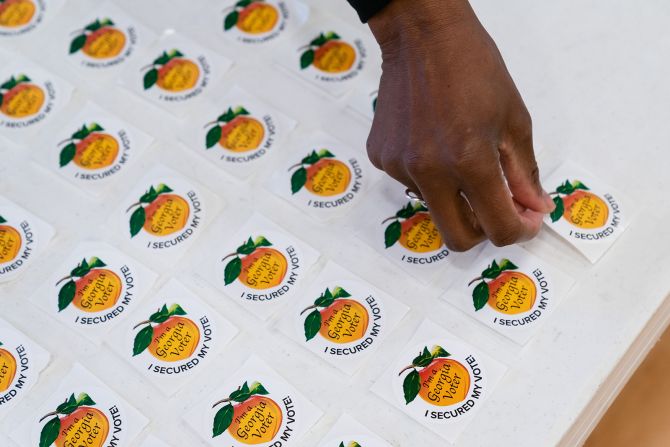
(260, 266)
(509, 290)
(364, 101)
(95, 289)
(175, 70)
(164, 213)
(342, 318)
(256, 21)
(239, 133)
(82, 411)
(21, 362)
(94, 147)
(106, 37)
(588, 213)
(255, 406)
(152, 441)
(326, 178)
(439, 380)
(28, 94)
(22, 237)
(348, 432)
(18, 17)
(403, 231)
(330, 58)
(173, 337)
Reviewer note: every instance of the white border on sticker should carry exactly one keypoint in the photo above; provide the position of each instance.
(349, 432)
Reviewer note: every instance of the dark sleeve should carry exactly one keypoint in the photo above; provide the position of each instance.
(368, 8)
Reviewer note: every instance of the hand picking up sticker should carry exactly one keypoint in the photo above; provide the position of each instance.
(587, 213)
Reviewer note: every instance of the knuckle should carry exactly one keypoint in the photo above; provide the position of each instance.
(521, 126)
(505, 235)
(459, 245)
(419, 164)
(374, 151)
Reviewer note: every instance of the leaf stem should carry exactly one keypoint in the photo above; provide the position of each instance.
(406, 368)
(222, 401)
(63, 279)
(228, 256)
(140, 324)
(309, 45)
(148, 66)
(554, 193)
(295, 166)
(475, 280)
(387, 219)
(310, 307)
(53, 413)
(65, 141)
(210, 123)
(133, 206)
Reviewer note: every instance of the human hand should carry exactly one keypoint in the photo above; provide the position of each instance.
(452, 127)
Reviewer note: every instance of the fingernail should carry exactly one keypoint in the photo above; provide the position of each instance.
(548, 201)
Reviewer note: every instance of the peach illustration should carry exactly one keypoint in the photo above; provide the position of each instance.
(256, 264)
(340, 320)
(89, 148)
(90, 287)
(509, 291)
(329, 54)
(413, 228)
(158, 212)
(321, 174)
(252, 17)
(579, 206)
(172, 72)
(236, 131)
(20, 98)
(99, 40)
(76, 422)
(174, 337)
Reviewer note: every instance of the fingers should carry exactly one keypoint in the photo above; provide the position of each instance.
(449, 210)
(517, 159)
(492, 203)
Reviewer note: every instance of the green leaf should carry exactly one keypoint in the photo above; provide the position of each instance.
(2, 220)
(222, 420)
(150, 78)
(81, 133)
(332, 35)
(325, 153)
(226, 116)
(310, 159)
(149, 196)
(506, 264)
(67, 154)
(306, 59)
(558, 211)
(341, 444)
(50, 432)
(298, 179)
(213, 136)
(411, 386)
(339, 292)
(137, 220)
(1, 98)
(492, 271)
(247, 247)
(239, 110)
(77, 43)
(143, 339)
(439, 352)
(312, 324)
(423, 359)
(579, 185)
(480, 295)
(94, 26)
(324, 300)
(66, 295)
(244, 3)
(96, 263)
(230, 20)
(162, 59)
(95, 127)
(9, 84)
(107, 22)
(240, 395)
(176, 309)
(318, 41)
(354, 444)
(84, 399)
(160, 315)
(163, 188)
(260, 241)
(258, 388)
(566, 188)
(68, 406)
(406, 212)
(392, 233)
(232, 270)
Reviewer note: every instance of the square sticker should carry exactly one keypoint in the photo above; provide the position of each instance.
(238, 133)
(81, 411)
(261, 266)
(342, 318)
(23, 237)
(164, 213)
(103, 39)
(589, 214)
(172, 337)
(95, 288)
(439, 380)
(93, 148)
(30, 96)
(348, 432)
(255, 405)
(21, 361)
(174, 71)
(325, 178)
(509, 290)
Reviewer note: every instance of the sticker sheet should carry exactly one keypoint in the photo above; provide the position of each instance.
(348, 432)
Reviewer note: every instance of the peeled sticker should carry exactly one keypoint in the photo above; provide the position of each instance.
(588, 213)
(175, 71)
(509, 290)
(22, 239)
(348, 432)
(164, 213)
(19, 17)
(173, 337)
(21, 361)
(104, 38)
(342, 318)
(238, 133)
(260, 266)
(325, 178)
(255, 405)
(93, 148)
(29, 95)
(95, 288)
(439, 380)
(81, 411)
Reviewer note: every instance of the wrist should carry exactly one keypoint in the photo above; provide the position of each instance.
(405, 22)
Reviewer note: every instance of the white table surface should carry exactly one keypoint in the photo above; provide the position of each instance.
(594, 76)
